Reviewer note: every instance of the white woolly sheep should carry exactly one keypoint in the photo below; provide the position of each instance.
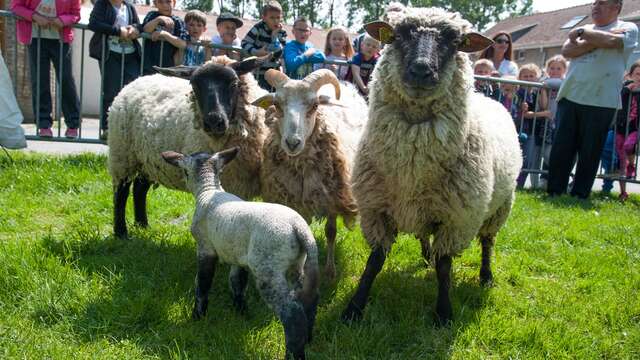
(436, 158)
(271, 240)
(308, 154)
(210, 112)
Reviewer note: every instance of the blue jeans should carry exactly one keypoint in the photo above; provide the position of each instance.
(608, 161)
(50, 52)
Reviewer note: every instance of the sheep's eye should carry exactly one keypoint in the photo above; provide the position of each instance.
(313, 108)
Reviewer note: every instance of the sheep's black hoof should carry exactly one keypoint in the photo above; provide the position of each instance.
(443, 316)
(351, 314)
(241, 306)
(199, 310)
(295, 356)
(143, 224)
(121, 233)
(486, 278)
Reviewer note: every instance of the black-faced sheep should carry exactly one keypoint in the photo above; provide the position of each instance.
(271, 240)
(436, 158)
(209, 112)
(308, 154)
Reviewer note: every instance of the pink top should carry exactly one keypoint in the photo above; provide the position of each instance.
(68, 12)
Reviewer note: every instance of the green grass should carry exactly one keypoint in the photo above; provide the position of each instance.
(567, 282)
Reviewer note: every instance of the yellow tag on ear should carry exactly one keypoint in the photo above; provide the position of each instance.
(385, 35)
(264, 103)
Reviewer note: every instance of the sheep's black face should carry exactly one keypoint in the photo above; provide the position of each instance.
(425, 52)
(216, 88)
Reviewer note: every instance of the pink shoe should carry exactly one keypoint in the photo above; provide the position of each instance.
(45, 132)
(71, 133)
(623, 197)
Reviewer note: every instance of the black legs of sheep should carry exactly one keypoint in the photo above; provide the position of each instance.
(238, 279)
(486, 276)
(140, 188)
(330, 232)
(443, 303)
(206, 270)
(359, 300)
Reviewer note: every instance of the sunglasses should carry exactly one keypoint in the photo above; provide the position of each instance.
(501, 41)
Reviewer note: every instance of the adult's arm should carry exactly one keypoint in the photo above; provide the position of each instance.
(602, 39)
(19, 7)
(576, 49)
(98, 20)
(72, 15)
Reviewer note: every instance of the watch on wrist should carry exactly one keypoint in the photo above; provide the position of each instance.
(580, 31)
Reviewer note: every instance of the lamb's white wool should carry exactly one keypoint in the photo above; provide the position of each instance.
(270, 240)
(436, 159)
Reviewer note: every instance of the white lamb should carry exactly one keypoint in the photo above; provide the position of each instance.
(271, 240)
(436, 157)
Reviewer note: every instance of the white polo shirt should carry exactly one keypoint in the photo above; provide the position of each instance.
(595, 78)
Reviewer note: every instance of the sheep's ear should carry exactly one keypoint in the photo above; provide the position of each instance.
(265, 101)
(323, 99)
(227, 155)
(473, 41)
(381, 31)
(172, 157)
(249, 64)
(183, 72)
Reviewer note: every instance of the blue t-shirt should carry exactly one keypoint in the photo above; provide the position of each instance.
(366, 67)
(152, 49)
(296, 63)
(193, 54)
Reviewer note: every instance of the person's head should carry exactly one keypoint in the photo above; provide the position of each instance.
(272, 14)
(529, 72)
(196, 22)
(227, 24)
(634, 72)
(556, 67)
(338, 43)
(483, 67)
(165, 7)
(502, 45)
(604, 12)
(369, 47)
(301, 30)
(508, 90)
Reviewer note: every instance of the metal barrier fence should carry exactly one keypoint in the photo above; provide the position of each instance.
(534, 123)
(536, 128)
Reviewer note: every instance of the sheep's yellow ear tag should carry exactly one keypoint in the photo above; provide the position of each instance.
(380, 31)
(386, 35)
(264, 102)
(472, 42)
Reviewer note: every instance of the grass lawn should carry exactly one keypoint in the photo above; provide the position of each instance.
(567, 285)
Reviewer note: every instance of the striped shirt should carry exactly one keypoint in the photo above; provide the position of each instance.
(260, 36)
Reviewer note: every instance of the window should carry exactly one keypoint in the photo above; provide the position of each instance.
(573, 22)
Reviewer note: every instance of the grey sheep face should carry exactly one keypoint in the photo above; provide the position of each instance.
(425, 46)
(201, 168)
(296, 105)
(216, 88)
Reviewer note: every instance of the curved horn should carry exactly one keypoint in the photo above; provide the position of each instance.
(275, 78)
(322, 77)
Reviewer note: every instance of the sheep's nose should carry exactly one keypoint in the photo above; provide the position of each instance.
(293, 143)
(421, 71)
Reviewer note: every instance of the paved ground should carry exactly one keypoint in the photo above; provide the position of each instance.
(90, 131)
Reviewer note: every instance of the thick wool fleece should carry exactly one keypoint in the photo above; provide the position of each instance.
(443, 163)
(317, 182)
(156, 113)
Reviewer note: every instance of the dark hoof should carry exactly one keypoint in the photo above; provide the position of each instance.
(442, 320)
(240, 306)
(296, 356)
(486, 279)
(199, 310)
(142, 224)
(351, 314)
(121, 233)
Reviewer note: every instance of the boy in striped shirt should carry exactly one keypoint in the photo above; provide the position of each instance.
(267, 36)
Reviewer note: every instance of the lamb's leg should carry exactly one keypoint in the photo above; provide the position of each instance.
(140, 188)
(275, 292)
(444, 313)
(120, 195)
(426, 249)
(238, 278)
(206, 270)
(330, 233)
(379, 230)
(486, 276)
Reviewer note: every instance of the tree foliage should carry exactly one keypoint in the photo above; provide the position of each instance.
(202, 5)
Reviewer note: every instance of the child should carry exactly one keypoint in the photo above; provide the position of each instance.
(299, 55)
(227, 24)
(533, 124)
(45, 27)
(337, 47)
(483, 67)
(195, 54)
(627, 128)
(363, 63)
(267, 36)
(120, 48)
(168, 35)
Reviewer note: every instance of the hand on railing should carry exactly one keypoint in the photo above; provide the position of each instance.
(42, 21)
